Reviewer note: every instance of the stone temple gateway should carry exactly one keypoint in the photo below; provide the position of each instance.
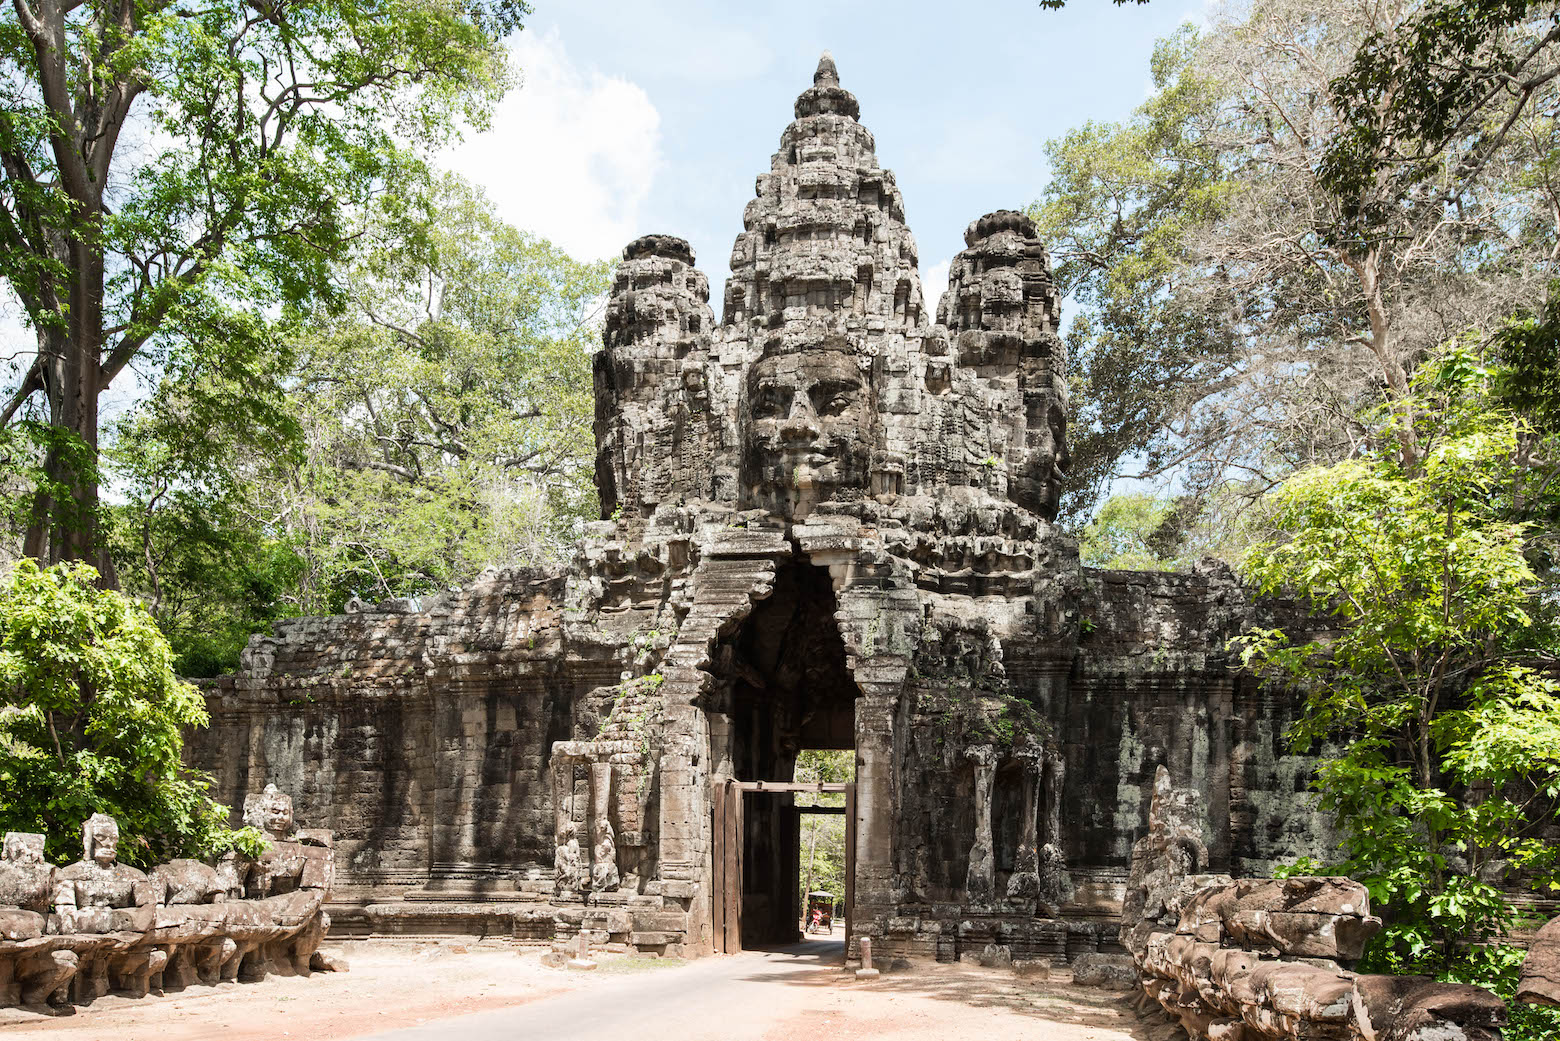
(827, 524)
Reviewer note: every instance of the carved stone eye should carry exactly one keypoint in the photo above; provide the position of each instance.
(772, 403)
(831, 399)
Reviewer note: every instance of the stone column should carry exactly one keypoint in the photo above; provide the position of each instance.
(981, 883)
(1055, 884)
(1025, 881)
(566, 854)
(603, 843)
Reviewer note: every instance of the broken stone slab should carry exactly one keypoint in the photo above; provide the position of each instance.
(328, 961)
(1110, 971)
(996, 956)
(1032, 968)
(1540, 981)
(1417, 1008)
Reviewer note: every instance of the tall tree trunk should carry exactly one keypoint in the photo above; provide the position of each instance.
(64, 523)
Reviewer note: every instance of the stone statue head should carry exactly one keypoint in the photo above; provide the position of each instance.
(23, 847)
(271, 811)
(806, 429)
(100, 839)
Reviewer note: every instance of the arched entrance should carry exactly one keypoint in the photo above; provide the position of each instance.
(782, 686)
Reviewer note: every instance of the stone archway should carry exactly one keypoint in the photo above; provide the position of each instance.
(782, 684)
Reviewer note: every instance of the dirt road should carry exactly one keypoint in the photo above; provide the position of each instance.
(402, 992)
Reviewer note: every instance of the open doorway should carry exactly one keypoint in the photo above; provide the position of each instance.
(788, 700)
(821, 853)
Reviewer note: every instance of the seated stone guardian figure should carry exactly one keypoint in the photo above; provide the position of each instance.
(280, 922)
(99, 895)
(32, 966)
(26, 885)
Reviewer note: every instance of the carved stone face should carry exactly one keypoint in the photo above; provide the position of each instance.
(100, 837)
(271, 812)
(23, 848)
(809, 415)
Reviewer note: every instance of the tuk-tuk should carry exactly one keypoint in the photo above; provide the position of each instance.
(820, 911)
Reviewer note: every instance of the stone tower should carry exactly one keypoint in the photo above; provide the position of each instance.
(826, 381)
(826, 524)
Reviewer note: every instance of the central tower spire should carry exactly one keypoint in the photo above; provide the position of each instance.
(825, 240)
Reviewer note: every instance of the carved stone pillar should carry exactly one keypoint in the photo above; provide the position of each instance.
(1055, 883)
(603, 843)
(1055, 770)
(1024, 884)
(566, 853)
(981, 883)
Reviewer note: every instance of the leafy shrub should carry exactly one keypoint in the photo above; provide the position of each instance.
(92, 719)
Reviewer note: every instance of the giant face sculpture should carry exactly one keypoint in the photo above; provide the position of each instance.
(807, 436)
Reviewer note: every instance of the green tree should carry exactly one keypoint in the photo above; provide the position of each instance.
(172, 173)
(1236, 318)
(208, 573)
(1119, 216)
(92, 720)
(1134, 531)
(1442, 727)
(436, 426)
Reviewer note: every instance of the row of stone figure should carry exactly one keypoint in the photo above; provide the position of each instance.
(72, 934)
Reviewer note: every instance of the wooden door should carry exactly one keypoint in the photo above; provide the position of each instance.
(726, 876)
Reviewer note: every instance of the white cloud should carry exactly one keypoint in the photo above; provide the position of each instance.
(934, 282)
(571, 154)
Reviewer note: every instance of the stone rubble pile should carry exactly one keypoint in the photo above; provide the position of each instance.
(1258, 959)
(69, 935)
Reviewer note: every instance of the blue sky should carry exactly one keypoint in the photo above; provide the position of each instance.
(656, 117)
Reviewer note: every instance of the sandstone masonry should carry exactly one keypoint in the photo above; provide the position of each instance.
(827, 523)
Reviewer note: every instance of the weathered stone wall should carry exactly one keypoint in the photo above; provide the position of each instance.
(420, 737)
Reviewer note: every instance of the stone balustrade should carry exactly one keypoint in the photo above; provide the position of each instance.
(70, 935)
(1267, 959)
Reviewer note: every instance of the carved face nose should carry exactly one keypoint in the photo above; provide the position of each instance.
(802, 423)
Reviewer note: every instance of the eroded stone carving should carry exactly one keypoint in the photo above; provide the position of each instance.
(76, 933)
(604, 875)
(1266, 959)
(981, 886)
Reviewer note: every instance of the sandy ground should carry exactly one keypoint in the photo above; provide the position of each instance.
(466, 991)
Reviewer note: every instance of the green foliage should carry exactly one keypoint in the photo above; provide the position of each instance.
(1132, 532)
(204, 566)
(92, 719)
(1447, 735)
(438, 426)
(176, 175)
(1453, 77)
